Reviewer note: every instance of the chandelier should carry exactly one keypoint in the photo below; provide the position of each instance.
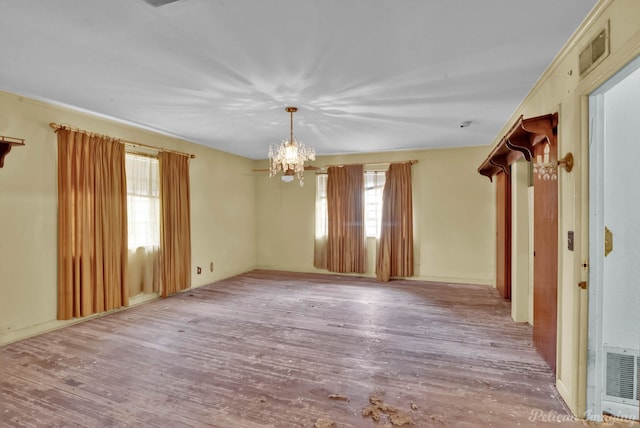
(289, 156)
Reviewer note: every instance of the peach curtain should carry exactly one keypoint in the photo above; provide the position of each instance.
(395, 249)
(92, 224)
(175, 223)
(346, 243)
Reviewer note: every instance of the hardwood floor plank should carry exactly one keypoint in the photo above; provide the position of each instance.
(268, 349)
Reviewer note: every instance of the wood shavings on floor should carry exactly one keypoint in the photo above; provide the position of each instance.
(324, 423)
(378, 411)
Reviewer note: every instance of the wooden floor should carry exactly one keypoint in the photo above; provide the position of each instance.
(273, 349)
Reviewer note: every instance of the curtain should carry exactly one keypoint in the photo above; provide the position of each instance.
(92, 228)
(346, 244)
(175, 223)
(320, 242)
(395, 250)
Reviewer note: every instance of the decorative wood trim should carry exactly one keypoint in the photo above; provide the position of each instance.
(6, 143)
(519, 142)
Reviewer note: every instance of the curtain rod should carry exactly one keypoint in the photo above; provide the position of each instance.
(411, 162)
(126, 142)
(324, 168)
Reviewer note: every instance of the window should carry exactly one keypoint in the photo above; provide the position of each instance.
(143, 200)
(373, 186)
(322, 223)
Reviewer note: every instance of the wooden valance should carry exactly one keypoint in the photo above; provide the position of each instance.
(5, 146)
(519, 141)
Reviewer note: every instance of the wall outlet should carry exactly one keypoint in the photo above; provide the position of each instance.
(211, 266)
(198, 270)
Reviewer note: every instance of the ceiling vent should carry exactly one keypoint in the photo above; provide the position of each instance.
(158, 3)
(596, 51)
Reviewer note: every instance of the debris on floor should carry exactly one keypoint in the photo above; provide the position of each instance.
(324, 423)
(399, 419)
(338, 397)
(377, 410)
(437, 418)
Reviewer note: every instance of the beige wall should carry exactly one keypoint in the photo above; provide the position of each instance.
(222, 198)
(454, 216)
(561, 89)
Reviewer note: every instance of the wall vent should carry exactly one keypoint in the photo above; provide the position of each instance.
(621, 376)
(596, 51)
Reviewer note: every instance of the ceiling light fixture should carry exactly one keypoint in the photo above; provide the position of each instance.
(289, 156)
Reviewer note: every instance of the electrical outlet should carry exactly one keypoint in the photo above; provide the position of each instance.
(211, 266)
(198, 270)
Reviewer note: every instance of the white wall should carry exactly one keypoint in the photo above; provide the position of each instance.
(621, 292)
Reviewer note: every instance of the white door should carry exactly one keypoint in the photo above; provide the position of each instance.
(614, 293)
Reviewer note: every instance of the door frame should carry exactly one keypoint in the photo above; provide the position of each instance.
(595, 354)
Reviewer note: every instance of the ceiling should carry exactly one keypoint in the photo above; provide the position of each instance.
(366, 75)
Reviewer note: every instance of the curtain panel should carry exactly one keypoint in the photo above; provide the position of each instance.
(175, 223)
(346, 241)
(395, 249)
(92, 224)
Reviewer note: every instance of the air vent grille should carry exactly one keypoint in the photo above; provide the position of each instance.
(596, 51)
(620, 375)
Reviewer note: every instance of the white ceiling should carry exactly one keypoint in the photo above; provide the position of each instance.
(367, 75)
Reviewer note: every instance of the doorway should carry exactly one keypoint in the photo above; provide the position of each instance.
(613, 366)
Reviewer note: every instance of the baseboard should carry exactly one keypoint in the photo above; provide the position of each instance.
(46, 327)
(428, 278)
(215, 276)
(454, 280)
